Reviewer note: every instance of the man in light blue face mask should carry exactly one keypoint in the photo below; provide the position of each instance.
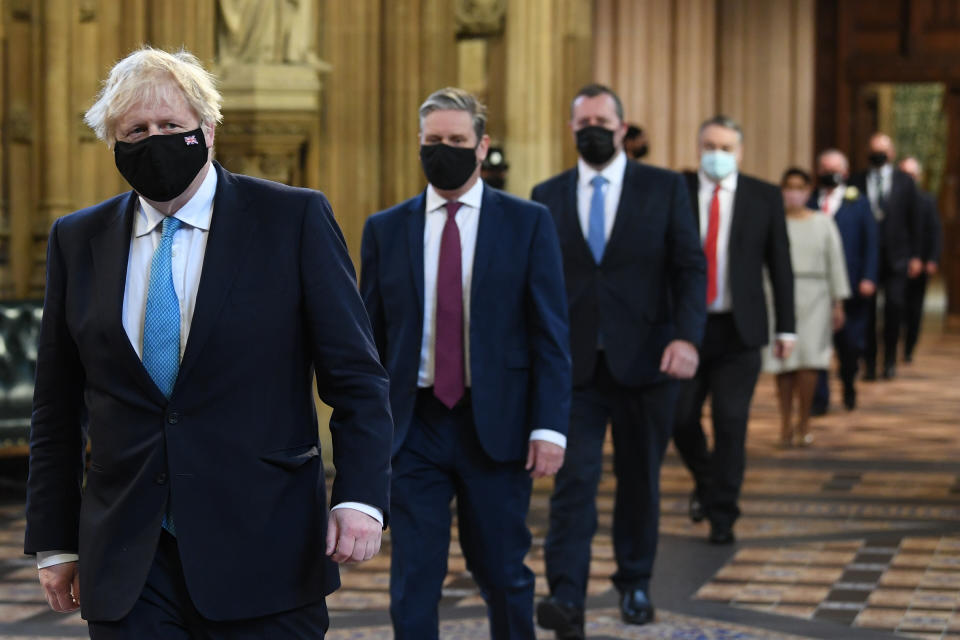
(742, 229)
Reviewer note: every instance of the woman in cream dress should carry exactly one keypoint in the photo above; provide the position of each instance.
(821, 284)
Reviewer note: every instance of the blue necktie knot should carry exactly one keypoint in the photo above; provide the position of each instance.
(596, 227)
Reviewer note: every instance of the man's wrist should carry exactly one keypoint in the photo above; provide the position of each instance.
(51, 558)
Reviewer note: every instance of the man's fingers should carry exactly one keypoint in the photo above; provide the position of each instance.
(76, 588)
(345, 547)
(666, 361)
(332, 534)
(531, 456)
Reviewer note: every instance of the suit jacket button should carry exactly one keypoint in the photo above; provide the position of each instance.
(173, 417)
(160, 478)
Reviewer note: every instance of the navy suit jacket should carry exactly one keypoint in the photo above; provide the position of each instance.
(901, 230)
(650, 285)
(932, 244)
(235, 448)
(519, 342)
(858, 232)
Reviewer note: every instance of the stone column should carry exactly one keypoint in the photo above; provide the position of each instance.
(549, 54)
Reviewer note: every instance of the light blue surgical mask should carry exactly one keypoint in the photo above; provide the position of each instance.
(718, 164)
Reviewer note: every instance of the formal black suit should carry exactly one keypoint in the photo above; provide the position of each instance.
(730, 356)
(235, 448)
(520, 380)
(900, 239)
(917, 287)
(647, 290)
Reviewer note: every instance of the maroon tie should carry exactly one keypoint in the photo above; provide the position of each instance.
(448, 374)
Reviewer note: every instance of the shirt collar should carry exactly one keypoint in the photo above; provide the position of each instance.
(727, 184)
(613, 172)
(196, 213)
(471, 198)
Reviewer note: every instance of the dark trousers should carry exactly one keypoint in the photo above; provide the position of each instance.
(641, 418)
(894, 287)
(164, 611)
(728, 373)
(849, 343)
(442, 459)
(913, 312)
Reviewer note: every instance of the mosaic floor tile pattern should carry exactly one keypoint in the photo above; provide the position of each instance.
(857, 536)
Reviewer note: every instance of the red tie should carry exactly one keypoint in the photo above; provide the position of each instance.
(710, 246)
(448, 375)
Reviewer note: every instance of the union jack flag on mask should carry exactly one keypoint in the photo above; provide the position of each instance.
(190, 140)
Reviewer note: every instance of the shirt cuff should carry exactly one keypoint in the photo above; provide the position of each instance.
(50, 558)
(787, 337)
(373, 512)
(549, 435)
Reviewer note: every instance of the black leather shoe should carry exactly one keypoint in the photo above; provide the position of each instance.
(696, 511)
(890, 371)
(850, 398)
(563, 618)
(721, 534)
(635, 607)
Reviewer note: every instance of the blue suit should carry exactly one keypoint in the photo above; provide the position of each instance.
(858, 233)
(235, 447)
(520, 380)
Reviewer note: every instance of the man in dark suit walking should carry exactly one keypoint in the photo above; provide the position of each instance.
(183, 323)
(930, 254)
(635, 284)
(893, 198)
(742, 229)
(858, 232)
(464, 287)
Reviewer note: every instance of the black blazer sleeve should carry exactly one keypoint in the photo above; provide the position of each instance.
(687, 267)
(56, 439)
(370, 285)
(779, 267)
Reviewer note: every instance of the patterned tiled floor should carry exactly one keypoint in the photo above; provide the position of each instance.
(857, 536)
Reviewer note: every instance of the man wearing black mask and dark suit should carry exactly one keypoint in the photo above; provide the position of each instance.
(917, 287)
(850, 209)
(464, 287)
(893, 197)
(743, 229)
(635, 283)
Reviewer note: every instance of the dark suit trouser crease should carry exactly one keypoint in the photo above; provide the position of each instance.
(165, 611)
(894, 286)
(913, 312)
(728, 373)
(442, 459)
(641, 419)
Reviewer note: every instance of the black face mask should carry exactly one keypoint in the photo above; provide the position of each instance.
(829, 180)
(595, 144)
(447, 167)
(161, 167)
(877, 159)
(641, 152)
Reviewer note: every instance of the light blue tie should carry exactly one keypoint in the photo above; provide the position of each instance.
(596, 234)
(161, 325)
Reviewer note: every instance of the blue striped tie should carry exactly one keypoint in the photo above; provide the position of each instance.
(161, 324)
(596, 232)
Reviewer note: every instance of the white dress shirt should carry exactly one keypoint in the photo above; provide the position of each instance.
(834, 199)
(468, 221)
(613, 173)
(189, 248)
(728, 187)
(886, 181)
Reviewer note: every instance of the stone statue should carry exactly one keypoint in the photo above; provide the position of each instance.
(260, 32)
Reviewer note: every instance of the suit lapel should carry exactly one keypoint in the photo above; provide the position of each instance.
(491, 213)
(630, 202)
(739, 221)
(232, 229)
(416, 220)
(111, 251)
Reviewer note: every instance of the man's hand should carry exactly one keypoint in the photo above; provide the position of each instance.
(352, 536)
(931, 268)
(680, 360)
(61, 586)
(783, 348)
(914, 267)
(867, 288)
(544, 458)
